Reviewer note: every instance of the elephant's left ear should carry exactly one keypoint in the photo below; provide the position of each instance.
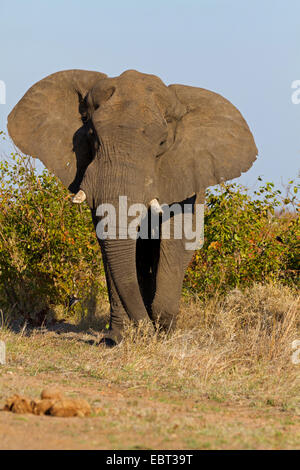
(212, 143)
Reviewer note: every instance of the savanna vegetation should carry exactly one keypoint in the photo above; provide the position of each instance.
(49, 251)
(223, 379)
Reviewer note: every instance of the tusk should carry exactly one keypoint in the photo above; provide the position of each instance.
(155, 206)
(79, 197)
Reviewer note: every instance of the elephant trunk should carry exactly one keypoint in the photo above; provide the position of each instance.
(112, 184)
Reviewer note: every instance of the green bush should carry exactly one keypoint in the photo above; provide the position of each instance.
(48, 248)
(49, 251)
(246, 240)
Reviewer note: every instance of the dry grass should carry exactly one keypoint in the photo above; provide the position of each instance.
(223, 379)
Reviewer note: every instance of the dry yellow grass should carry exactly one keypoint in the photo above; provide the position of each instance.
(223, 379)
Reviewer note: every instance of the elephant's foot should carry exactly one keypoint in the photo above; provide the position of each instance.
(79, 197)
(167, 324)
(164, 319)
(107, 342)
(111, 338)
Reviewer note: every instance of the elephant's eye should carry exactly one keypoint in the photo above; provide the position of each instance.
(100, 96)
(162, 147)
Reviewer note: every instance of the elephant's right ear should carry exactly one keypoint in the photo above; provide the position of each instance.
(44, 121)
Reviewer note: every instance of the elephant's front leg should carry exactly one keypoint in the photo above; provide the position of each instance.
(118, 315)
(169, 278)
(174, 259)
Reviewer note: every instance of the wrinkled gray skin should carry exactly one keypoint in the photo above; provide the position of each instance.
(132, 135)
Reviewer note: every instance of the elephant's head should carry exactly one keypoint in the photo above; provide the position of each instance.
(132, 136)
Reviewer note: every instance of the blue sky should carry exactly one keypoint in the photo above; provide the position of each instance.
(249, 51)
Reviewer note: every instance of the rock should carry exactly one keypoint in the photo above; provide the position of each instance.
(42, 407)
(70, 407)
(52, 403)
(18, 404)
(51, 393)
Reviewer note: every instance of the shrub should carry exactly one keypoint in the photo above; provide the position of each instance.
(47, 244)
(246, 240)
(49, 251)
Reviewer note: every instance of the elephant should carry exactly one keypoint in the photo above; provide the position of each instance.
(134, 136)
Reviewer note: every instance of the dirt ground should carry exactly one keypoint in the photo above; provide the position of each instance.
(133, 419)
(209, 385)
